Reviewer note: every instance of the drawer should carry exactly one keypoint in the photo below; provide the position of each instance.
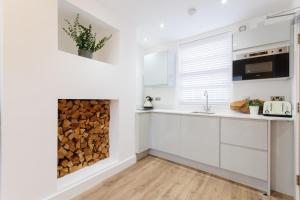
(247, 133)
(249, 162)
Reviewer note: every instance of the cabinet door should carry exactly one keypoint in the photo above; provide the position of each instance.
(143, 121)
(165, 132)
(245, 161)
(156, 69)
(200, 139)
(268, 34)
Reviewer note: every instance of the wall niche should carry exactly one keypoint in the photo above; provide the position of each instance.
(83, 134)
(108, 54)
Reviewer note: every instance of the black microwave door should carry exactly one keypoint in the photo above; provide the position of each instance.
(238, 70)
(282, 63)
(261, 67)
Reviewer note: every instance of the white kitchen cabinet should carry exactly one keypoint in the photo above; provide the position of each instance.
(142, 131)
(244, 147)
(250, 162)
(234, 147)
(262, 35)
(165, 133)
(200, 139)
(247, 133)
(159, 69)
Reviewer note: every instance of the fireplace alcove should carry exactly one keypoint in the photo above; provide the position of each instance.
(87, 130)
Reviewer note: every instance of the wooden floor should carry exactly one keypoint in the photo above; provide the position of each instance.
(156, 179)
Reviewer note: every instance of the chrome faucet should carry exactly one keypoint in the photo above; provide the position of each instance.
(206, 107)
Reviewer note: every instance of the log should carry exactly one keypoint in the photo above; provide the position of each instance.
(83, 134)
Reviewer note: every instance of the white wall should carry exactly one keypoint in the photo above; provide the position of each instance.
(1, 85)
(296, 99)
(296, 3)
(35, 75)
(139, 79)
(167, 97)
(262, 89)
(109, 53)
(282, 157)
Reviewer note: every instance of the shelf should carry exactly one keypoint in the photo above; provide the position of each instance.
(108, 54)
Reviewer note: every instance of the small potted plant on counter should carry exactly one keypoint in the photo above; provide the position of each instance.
(84, 38)
(254, 106)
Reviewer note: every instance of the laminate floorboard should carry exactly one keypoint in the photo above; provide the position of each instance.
(157, 179)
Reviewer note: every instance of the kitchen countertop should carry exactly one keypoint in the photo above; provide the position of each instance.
(217, 114)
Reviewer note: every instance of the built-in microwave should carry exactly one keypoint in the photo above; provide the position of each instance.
(270, 63)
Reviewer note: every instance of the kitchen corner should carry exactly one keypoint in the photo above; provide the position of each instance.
(192, 122)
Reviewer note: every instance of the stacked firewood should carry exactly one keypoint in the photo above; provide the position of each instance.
(83, 133)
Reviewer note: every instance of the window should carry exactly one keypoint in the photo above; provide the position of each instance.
(205, 64)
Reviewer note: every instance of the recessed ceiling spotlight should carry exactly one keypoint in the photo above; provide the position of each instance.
(224, 1)
(242, 28)
(192, 11)
(162, 25)
(146, 39)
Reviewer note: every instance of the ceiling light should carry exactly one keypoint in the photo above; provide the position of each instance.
(224, 1)
(145, 39)
(162, 25)
(192, 11)
(242, 28)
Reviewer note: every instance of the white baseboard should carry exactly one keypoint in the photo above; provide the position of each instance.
(239, 178)
(92, 181)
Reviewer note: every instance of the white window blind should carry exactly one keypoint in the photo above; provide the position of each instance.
(206, 65)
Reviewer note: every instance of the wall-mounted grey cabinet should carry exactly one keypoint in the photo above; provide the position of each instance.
(159, 69)
(262, 35)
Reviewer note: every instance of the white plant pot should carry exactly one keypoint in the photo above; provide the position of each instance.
(254, 110)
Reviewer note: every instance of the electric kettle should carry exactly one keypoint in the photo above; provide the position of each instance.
(147, 103)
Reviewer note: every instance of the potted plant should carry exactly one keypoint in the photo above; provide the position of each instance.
(254, 106)
(84, 38)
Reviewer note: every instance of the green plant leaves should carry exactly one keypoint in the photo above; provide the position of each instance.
(254, 102)
(83, 36)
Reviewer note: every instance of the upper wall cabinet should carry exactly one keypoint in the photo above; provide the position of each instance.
(67, 11)
(264, 35)
(159, 69)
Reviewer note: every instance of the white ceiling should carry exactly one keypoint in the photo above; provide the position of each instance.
(147, 15)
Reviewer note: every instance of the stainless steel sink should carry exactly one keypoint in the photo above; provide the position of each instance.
(203, 112)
